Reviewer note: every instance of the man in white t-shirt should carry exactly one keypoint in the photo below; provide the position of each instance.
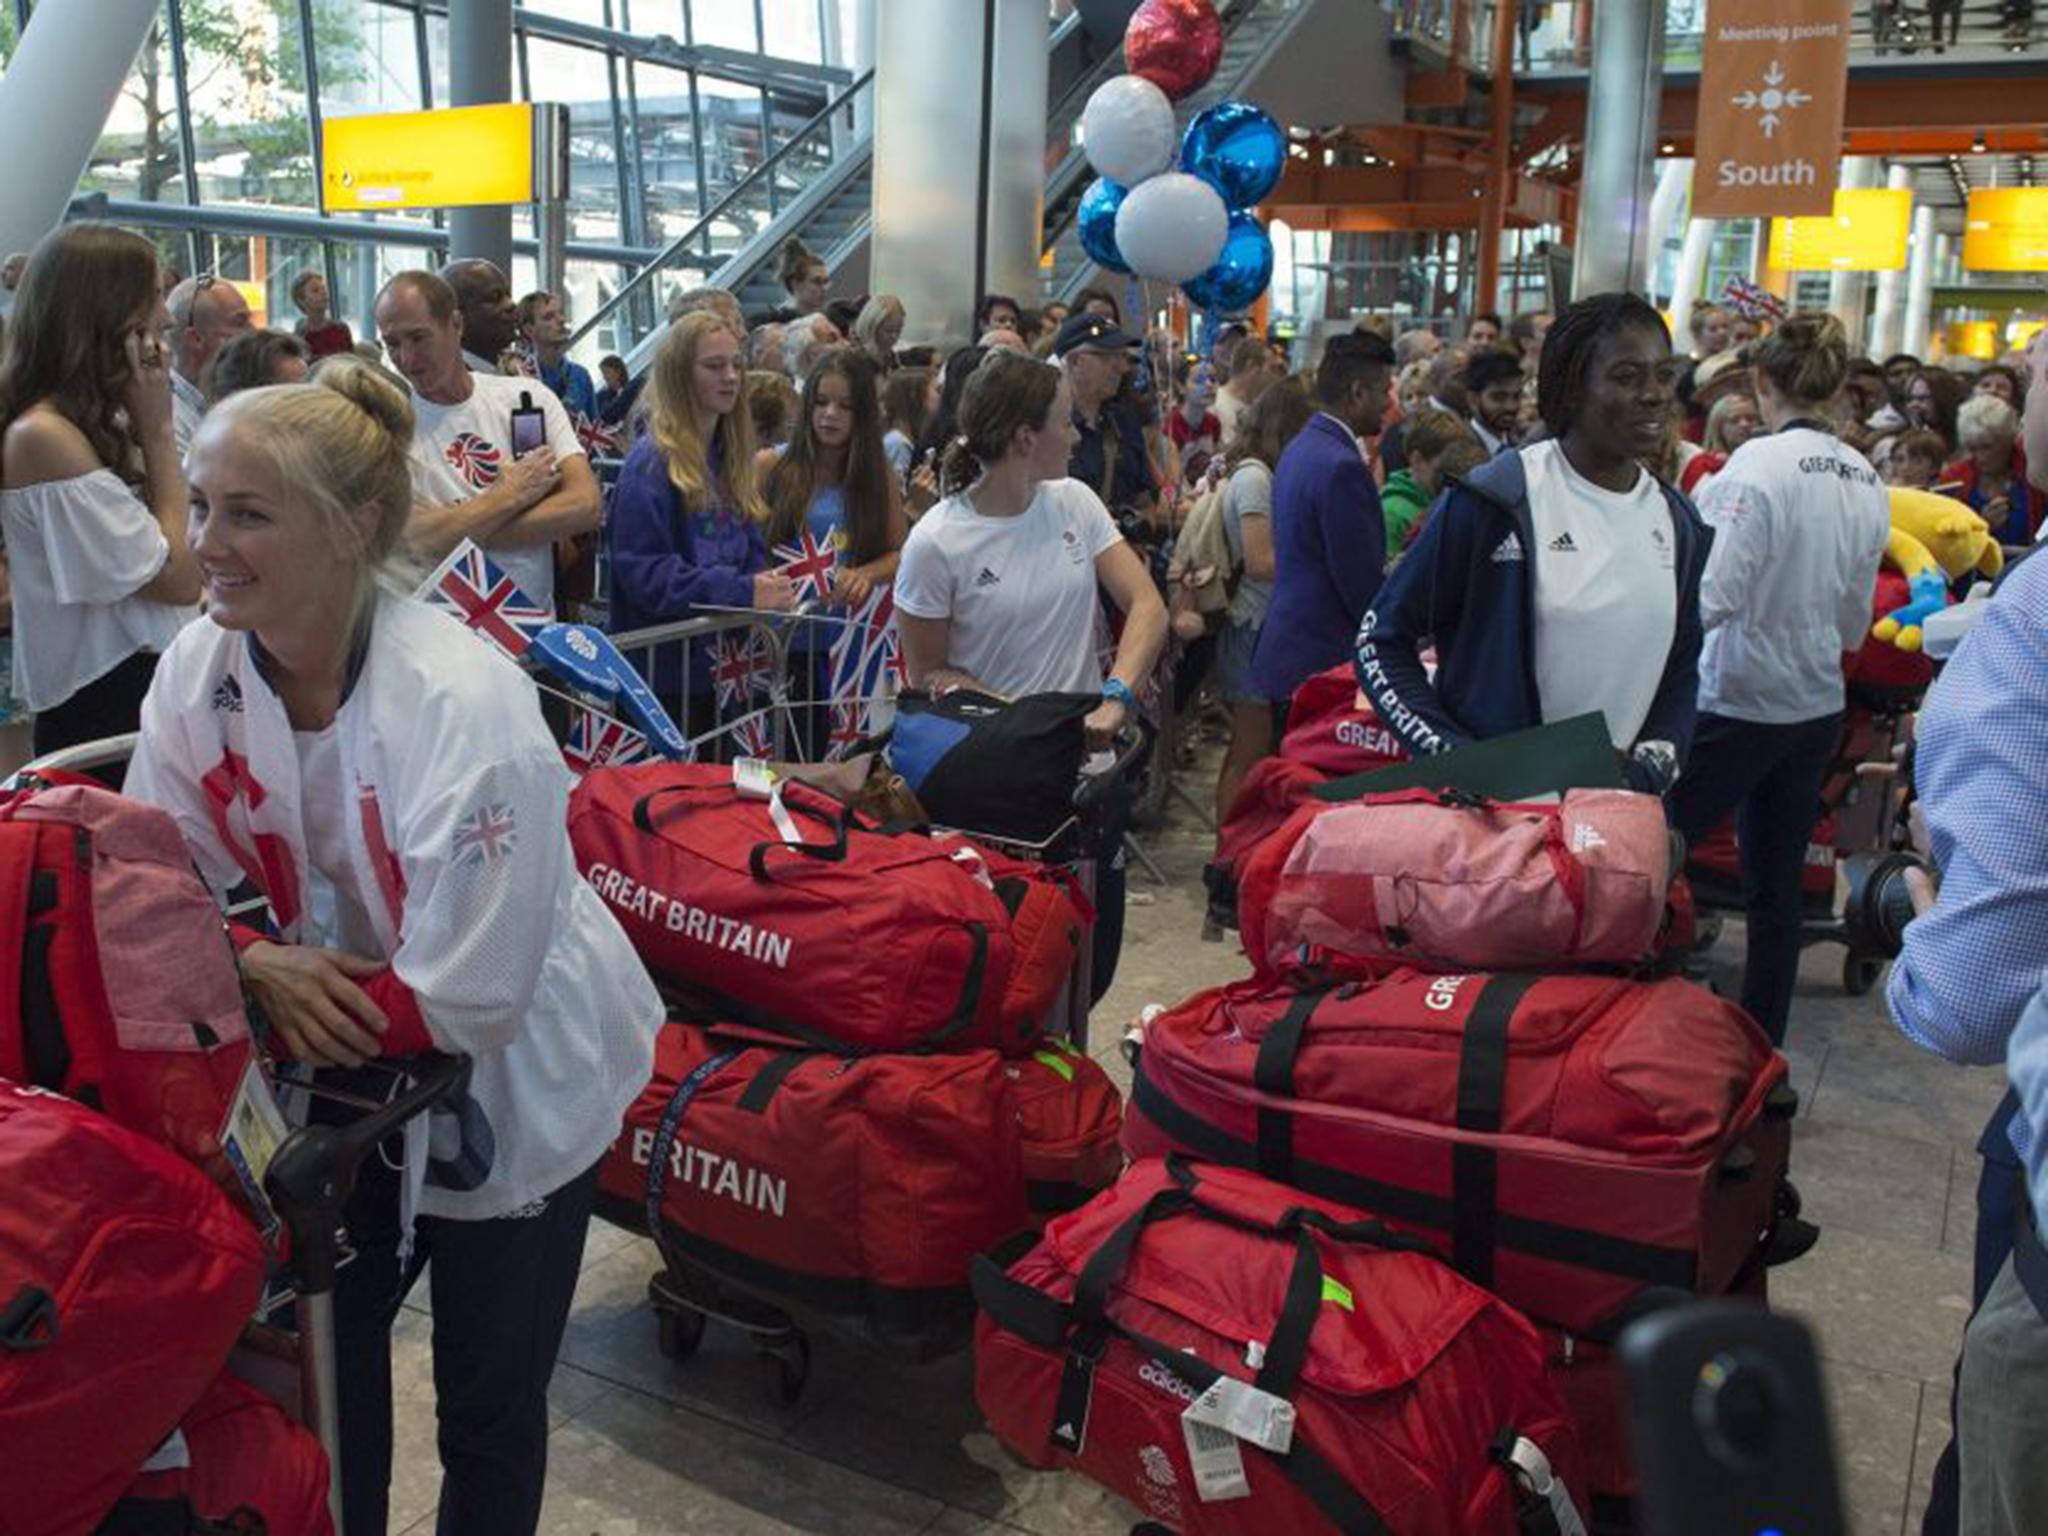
(467, 481)
(207, 313)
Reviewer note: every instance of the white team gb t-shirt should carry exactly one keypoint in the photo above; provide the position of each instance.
(1606, 593)
(459, 451)
(1020, 591)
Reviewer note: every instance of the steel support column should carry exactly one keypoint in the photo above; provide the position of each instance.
(1611, 248)
(1913, 335)
(480, 74)
(1493, 201)
(1886, 308)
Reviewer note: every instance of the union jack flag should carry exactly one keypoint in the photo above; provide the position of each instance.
(750, 733)
(599, 440)
(476, 459)
(486, 835)
(486, 600)
(596, 740)
(741, 666)
(809, 565)
(866, 666)
(1753, 299)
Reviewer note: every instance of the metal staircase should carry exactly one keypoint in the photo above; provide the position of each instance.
(819, 184)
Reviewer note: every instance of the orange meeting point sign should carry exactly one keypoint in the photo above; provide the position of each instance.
(1773, 76)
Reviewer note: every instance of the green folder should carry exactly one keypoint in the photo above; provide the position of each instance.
(1547, 759)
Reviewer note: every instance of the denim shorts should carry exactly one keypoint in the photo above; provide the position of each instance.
(1234, 647)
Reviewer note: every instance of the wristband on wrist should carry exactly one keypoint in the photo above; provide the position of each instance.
(1119, 690)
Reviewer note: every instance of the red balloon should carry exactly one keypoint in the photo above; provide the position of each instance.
(1176, 44)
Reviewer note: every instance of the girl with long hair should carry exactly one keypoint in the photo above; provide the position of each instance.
(1264, 430)
(390, 788)
(92, 494)
(686, 513)
(877, 329)
(910, 398)
(833, 481)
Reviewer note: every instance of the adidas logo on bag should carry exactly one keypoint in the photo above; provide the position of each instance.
(1509, 548)
(1563, 544)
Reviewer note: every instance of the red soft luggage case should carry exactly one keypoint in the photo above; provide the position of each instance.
(1332, 728)
(849, 937)
(129, 1000)
(125, 1279)
(1567, 1141)
(859, 1187)
(1266, 800)
(1402, 1377)
(246, 1457)
(1070, 1121)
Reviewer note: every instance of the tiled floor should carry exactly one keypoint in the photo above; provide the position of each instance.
(1882, 1153)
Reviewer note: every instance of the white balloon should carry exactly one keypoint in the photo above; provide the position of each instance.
(1172, 227)
(1128, 130)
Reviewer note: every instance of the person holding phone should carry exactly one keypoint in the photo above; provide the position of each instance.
(92, 495)
(494, 459)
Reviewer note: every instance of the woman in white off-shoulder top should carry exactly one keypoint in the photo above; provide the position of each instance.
(92, 495)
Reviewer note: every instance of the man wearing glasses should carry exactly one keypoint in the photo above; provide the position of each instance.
(207, 312)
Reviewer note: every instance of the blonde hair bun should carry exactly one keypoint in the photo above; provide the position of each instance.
(364, 386)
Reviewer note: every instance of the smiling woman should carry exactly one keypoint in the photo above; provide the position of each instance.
(389, 786)
(1561, 578)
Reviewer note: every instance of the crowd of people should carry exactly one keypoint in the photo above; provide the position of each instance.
(1499, 524)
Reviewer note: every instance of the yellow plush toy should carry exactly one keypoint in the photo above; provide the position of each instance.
(1934, 540)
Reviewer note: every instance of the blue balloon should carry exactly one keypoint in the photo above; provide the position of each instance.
(1237, 149)
(1241, 273)
(1097, 220)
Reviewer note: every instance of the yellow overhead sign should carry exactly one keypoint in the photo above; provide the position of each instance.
(1865, 233)
(2006, 230)
(452, 158)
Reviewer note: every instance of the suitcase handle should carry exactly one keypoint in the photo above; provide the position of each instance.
(833, 852)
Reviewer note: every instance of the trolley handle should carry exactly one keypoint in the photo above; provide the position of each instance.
(1094, 788)
(314, 1171)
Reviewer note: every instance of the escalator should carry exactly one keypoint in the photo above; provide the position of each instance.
(818, 185)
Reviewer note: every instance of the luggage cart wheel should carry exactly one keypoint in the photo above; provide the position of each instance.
(679, 1328)
(1860, 973)
(789, 1369)
(1788, 1202)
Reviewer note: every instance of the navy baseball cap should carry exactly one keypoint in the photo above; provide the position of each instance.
(1097, 333)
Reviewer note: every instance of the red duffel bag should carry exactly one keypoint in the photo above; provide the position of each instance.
(128, 997)
(1331, 726)
(244, 1457)
(1444, 880)
(858, 1187)
(1070, 1121)
(125, 1279)
(1371, 1389)
(785, 911)
(1566, 1141)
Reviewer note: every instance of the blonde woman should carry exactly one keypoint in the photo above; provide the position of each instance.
(388, 784)
(878, 328)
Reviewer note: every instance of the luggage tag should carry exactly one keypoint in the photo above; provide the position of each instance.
(754, 779)
(1245, 1412)
(1216, 1461)
(250, 1136)
(1532, 1471)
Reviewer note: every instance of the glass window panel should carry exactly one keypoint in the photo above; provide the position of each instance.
(139, 154)
(650, 18)
(668, 162)
(723, 24)
(380, 69)
(790, 29)
(578, 78)
(592, 13)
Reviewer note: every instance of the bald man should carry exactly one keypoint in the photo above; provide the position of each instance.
(490, 317)
(206, 314)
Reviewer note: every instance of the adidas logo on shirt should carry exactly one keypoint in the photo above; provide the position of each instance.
(987, 578)
(228, 696)
(1509, 548)
(1562, 544)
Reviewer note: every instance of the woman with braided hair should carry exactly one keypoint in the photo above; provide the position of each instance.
(1560, 578)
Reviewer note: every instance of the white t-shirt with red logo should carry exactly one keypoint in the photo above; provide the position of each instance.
(458, 451)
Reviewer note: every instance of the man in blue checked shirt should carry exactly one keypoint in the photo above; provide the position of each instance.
(1974, 954)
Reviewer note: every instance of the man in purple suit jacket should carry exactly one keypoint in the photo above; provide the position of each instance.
(1329, 541)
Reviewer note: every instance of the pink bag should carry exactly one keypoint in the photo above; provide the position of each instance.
(1442, 880)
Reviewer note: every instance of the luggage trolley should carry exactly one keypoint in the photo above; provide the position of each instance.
(308, 1182)
(687, 1294)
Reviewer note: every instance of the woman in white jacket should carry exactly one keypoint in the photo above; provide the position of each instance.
(390, 786)
(1799, 520)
